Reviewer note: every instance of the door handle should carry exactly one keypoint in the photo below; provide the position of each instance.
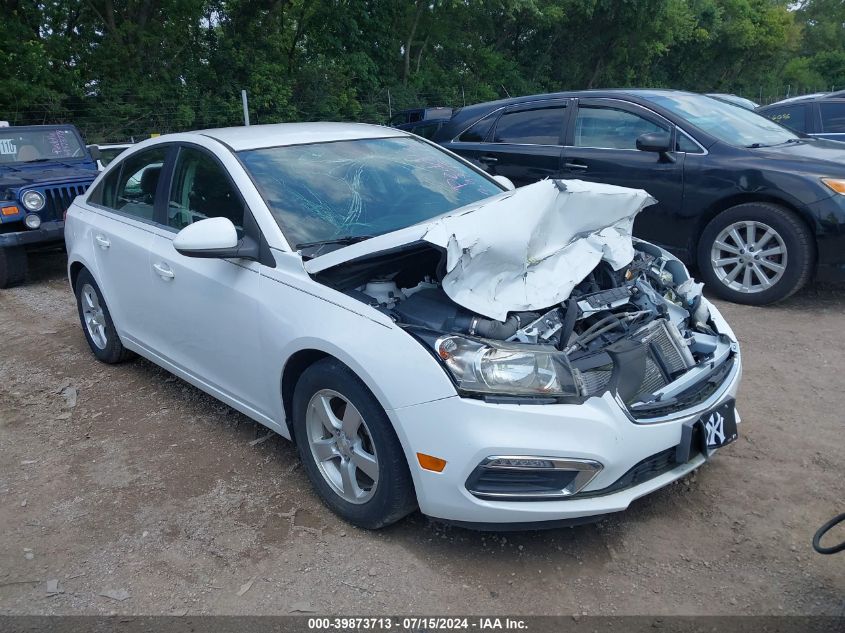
(164, 271)
(488, 160)
(102, 242)
(580, 166)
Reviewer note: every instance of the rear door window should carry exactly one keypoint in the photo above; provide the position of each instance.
(478, 132)
(833, 116)
(131, 186)
(540, 126)
(793, 117)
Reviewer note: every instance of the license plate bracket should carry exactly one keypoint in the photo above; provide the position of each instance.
(713, 430)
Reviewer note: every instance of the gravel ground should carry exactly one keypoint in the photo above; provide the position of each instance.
(125, 490)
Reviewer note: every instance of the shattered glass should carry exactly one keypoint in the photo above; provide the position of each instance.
(360, 188)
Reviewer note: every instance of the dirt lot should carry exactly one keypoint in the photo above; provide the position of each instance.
(150, 491)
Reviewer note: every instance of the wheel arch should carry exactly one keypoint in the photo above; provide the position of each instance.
(74, 269)
(295, 365)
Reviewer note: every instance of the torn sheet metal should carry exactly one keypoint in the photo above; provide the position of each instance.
(528, 250)
(520, 250)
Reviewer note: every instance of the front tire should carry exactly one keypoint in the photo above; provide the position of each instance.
(349, 448)
(97, 324)
(12, 266)
(756, 253)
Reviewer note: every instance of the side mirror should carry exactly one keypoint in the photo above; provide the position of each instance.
(505, 182)
(94, 151)
(211, 238)
(654, 142)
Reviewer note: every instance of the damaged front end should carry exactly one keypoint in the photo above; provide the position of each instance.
(543, 296)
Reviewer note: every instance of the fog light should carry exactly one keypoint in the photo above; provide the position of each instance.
(33, 201)
(528, 478)
(32, 221)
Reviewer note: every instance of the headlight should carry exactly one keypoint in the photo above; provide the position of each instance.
(33, 201)
(837, 184)
(496, 367)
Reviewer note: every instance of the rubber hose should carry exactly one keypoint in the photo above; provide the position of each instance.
(501, 330)
(822, 531)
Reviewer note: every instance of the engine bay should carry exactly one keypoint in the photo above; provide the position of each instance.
(642, 331)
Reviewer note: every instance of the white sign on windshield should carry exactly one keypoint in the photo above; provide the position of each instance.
(7, 147)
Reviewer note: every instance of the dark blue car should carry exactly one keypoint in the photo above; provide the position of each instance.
(42, 169)
(821, 115)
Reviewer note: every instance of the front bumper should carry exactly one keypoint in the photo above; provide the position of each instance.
(47, 232)
(830, 238)
(464, 432)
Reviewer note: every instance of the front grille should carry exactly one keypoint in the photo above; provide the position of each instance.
(696, 394)
(58, 199)
(647, 469)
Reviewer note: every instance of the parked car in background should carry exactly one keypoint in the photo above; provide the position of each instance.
(414, 115)
(819, 115)
(742, 102)
(759, 209)
(109, 152)
(355, 288)
(426, 128)
(42, 169)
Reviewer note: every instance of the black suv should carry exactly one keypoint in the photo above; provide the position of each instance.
(819, 115)
(42, 169)
(759, 209)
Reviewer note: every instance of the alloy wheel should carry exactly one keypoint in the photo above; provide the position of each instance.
(342, 446)
(95, 318)
(748, 256)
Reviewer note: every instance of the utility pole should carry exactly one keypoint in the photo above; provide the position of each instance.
(246, 107)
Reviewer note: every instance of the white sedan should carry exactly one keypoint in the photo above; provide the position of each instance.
(426, 335)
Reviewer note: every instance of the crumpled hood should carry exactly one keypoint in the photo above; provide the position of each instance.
(44, 176)
(521, 250)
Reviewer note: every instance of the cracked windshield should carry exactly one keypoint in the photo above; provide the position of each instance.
(348, 191)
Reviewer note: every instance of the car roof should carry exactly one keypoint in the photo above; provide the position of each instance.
(278, 134)
(468, 114)
(596, 93)
(815, 95)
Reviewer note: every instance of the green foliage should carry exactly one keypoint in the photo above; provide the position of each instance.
(128, 68)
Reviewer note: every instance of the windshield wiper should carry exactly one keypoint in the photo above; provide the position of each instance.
(346, 239)
(759, 145)
(38, 160)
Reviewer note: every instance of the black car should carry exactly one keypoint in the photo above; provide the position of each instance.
(818, 115)
(736, 100)
(759, 209)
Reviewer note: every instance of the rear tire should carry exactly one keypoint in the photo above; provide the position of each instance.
(348, 447)
(97, 324)
(756, 253)
(12, 266)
